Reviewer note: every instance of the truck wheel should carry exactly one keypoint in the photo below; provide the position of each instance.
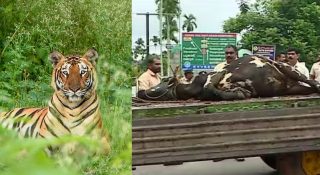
(311, 162)
(270, 160)
(302, 163)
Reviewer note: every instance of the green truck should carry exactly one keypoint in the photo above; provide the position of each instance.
(283, 131)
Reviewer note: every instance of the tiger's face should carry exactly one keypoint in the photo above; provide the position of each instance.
(73, 77)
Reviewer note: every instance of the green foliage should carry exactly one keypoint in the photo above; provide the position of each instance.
(31, 30)
(171, 11)
(189, 23)
(139, 58)
(27, 157)
(293, 23)
(243, 6)
(21, 154)
(155, 40)
(139, 51)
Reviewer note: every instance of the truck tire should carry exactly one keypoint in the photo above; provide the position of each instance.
(270, 160)
(302, 163)
(311, 162)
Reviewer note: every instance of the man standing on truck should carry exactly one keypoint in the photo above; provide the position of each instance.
(293, 55)
(281, 57)
(315, 70)
(150, 77)
(231, 54)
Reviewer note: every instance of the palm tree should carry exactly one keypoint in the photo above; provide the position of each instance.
(139, 50)
(155, 40)
(189, 23)
(171, 12)
(173, 25)
(243, 6)
(171, 7)
(140, 42)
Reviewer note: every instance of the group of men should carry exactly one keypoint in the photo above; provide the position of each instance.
(152, 78)
(292, 58)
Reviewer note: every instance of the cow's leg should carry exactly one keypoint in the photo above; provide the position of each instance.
(237, 93)
(297, 76)
(214, 79)
(299, 90)
(234, 93)
(247, 87)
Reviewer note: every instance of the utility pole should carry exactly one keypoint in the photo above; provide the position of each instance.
(160, 34)
(147, 29)
(168, 46)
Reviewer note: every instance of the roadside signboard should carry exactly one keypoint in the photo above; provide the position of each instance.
(204, 50)
(268, 51)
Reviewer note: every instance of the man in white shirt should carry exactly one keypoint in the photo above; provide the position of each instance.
(315, 70)
(293, 57)
(231, 54)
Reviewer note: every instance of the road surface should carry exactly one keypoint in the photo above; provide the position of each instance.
(251, 166)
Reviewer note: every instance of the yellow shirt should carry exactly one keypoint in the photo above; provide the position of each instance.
(220, 67)
(147, 80)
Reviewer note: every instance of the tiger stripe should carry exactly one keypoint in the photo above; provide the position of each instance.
(73, 108)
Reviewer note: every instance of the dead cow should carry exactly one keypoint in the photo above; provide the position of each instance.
(174, 90)
(251, 76)
(255, 76)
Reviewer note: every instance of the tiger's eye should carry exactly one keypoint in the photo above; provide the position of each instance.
(82, 72)
(64, 72)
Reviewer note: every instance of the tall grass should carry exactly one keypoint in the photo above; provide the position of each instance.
(30, 30)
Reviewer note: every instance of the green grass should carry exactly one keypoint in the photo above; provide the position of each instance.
(116, 110)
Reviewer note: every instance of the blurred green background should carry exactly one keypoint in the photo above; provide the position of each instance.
(32, 29)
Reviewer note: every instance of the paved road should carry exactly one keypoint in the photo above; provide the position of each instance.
(251, 166)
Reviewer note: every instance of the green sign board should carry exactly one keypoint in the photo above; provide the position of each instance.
(204, 50)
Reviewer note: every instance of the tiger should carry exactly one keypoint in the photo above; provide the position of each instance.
(74, 105)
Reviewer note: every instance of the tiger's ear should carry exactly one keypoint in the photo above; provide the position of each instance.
(92, 56)
(55, 57)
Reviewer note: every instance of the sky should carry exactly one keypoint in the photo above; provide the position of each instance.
(210, 15)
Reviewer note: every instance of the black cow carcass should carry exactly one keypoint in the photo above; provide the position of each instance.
(248, 77)
(255, 76)
(174, 90)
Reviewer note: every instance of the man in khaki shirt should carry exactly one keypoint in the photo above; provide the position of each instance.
(231, 54)
(188, 77)
(151, 77)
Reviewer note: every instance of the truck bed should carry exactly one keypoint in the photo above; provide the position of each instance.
(183, 131)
